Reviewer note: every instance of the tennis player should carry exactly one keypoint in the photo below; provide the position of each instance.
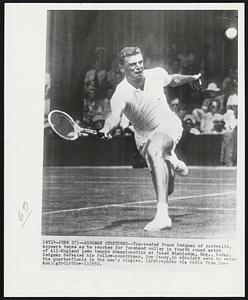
(140, 97)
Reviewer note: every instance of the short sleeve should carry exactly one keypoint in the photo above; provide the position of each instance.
(165, 77)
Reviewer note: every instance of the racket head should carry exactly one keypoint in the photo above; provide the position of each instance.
(63, 125)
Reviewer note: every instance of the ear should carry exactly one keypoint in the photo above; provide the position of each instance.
(121, 68)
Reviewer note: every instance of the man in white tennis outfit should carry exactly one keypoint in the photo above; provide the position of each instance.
(140, 97)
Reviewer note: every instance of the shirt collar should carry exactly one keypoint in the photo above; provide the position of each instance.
(131, 87)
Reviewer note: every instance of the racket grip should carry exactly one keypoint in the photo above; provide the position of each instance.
(89, 131)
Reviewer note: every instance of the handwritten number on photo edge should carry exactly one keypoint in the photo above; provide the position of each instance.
(23, 212)
(25, 206)
(21, 216)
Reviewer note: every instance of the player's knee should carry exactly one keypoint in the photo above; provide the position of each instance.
(154, 152)
(158, 152)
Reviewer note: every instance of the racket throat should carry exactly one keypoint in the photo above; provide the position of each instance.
(87, 130)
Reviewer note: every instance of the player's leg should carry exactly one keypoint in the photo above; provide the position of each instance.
(171, 178)
(160, 145)
(171, 171)
(174, 129)
(179, 166)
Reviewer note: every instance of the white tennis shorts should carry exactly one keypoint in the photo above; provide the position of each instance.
(172, 129)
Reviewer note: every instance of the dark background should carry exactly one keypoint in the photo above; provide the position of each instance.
(72, 37)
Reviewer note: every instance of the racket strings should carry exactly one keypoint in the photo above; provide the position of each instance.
(63, 125)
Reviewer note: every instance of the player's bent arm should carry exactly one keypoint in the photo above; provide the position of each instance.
(179, 79)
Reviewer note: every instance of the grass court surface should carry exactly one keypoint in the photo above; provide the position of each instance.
(119, 202)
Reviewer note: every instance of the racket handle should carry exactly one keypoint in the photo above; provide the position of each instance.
(92, 132)
(89, 131)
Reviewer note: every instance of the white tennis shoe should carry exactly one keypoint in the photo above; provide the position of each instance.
(160, 222)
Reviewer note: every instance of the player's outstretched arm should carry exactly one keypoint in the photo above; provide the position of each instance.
(110, 124)
(193, 80)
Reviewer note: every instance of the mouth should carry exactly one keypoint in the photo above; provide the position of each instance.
(137, 73)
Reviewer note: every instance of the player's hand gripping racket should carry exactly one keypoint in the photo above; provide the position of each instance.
(196, 83)
(64, 125)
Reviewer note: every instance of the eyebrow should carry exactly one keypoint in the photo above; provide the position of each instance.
(134, 63)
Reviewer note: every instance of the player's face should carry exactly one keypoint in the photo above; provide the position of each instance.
(133, 67)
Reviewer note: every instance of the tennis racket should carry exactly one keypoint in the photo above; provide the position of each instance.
(64, 126)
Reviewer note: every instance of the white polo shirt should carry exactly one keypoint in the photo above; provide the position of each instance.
(145, 109)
